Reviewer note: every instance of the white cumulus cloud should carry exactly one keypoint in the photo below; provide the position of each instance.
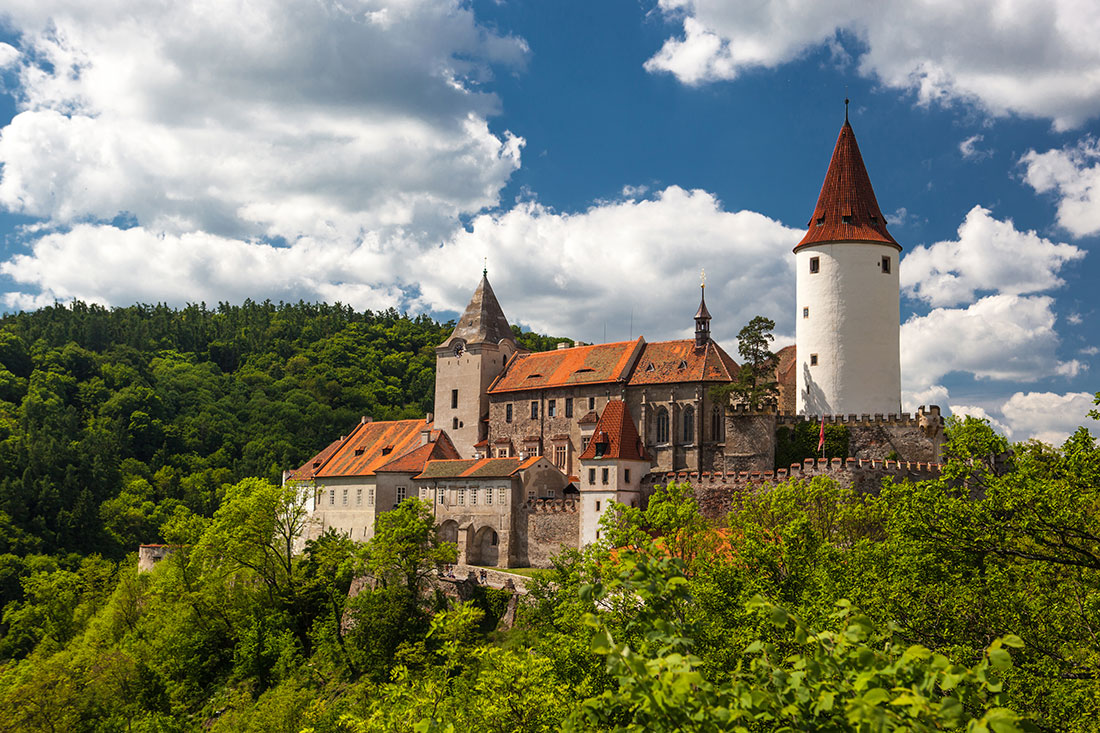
(1073, 175)
(1001, 337)
(1036, 58)
(989, 255)
(1047, 416)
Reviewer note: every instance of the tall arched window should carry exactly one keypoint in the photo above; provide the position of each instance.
(716, 423)
(689, 424)
(662, 425)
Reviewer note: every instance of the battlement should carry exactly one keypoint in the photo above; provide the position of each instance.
(552, 506)
(931, 413)
(840, 469)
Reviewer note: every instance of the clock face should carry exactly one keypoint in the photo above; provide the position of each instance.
(459, 348)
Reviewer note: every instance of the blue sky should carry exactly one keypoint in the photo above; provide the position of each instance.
(597, 155)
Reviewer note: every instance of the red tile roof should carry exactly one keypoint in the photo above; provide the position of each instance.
(594, 364)
(616, 429)
(667, 362)
(371, 445)
(477, 467)
(847, 210)
(414, 461)
(589, 417)
(305, 471)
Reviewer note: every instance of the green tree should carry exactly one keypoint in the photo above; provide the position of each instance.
(756, 384)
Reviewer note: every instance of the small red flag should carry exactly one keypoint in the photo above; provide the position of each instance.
(821, 437)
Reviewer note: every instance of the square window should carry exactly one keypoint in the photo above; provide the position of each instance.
(805, 312)
(813, 359)
(508, 412)
(534, 410)
(815, 265)
(886, 265)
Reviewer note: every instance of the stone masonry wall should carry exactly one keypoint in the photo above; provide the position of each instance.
(718, 492)
(544, 526)
(750, 440)
(912, 438)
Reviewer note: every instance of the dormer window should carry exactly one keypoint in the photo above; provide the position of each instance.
(649, 367)
(821, 221)
(387, 450)
(682, 365)
(360, 451)
(846, 219)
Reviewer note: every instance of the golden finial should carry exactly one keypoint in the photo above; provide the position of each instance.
(703, 278)
(485, 267)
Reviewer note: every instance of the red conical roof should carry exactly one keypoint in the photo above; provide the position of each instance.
(847, 210)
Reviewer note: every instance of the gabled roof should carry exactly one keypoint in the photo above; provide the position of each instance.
(306, 470)
(593, 364)
(483, 320)
(847, 210)
(439, 448)
(616, 429)
(477, 467)
(589, 418)
(666, 362)
(371, 445)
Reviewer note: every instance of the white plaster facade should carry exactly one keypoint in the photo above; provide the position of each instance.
(847, 332)
(604, 481)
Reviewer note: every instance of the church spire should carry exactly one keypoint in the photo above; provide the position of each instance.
(847, 210)
(483, 321)
(702, 316)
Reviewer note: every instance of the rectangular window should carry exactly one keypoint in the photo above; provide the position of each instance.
(332, 497)
(344, 498)
(550, 493)
(454, 399)
(815, 265)
(473, 497)
(370, 496)
(569, 407)
(559, 456)
(461, 497)
(626, 475)
(439, 496)
(502, 452)
(489, 496)
(604, 476)
(508, 412)
(813, 359)
(423, 493)
(591, 403)
(552, 408)
(886, 265)
(592, 476)
(358, 497)
(584, 442)
(530, 495)
(534, 410)
(502, 494)
(597, 506)
(400, 494)
(805, 312)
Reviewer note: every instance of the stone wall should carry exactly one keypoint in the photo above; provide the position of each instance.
(543, 527)
(150, 555)
(718, 492)
(750, 440)
(906, 437)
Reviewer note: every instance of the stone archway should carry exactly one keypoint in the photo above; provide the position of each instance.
(448, 531)
(485, 547)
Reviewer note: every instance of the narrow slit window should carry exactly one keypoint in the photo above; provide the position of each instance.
(885, 265)
(813, 359)
(805, 312)
(815, 265)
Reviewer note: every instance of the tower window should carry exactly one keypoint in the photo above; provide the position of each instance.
(591, 403)
(508, 412)
(604, 475)
(821, 221)
(886, 265)
(805, 312)
(813, 359)
(454, 399)
(626, 475)
(454, 423)
(592, 476)
(815, 265)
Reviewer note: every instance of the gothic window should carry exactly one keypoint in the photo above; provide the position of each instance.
(716, 423)
(689, 424)
(559, 456)
(662, 425)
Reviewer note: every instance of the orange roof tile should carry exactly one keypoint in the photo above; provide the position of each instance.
(414, 461)
(594, 364)
(617, 432)
(305, 471)
(666, 362)
(477, 468)
(847, 210)
(371, 445)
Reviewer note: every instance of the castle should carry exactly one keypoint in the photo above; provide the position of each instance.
(524, 451)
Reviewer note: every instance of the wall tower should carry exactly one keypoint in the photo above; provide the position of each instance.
(466, 364)
(847, 332)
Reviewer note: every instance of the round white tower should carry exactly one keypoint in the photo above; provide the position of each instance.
(847, 332)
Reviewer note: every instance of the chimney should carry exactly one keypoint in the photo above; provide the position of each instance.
(563, 345)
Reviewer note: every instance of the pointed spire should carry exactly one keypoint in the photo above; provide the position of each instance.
(847, 210)
(483, 321)
(702, 316)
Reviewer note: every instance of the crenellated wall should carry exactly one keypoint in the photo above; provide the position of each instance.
(717, 492)
(544, 526)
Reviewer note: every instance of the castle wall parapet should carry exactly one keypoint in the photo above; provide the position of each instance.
(551, 506)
